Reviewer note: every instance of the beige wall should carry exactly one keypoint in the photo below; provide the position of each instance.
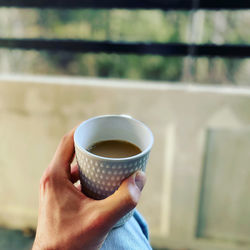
(198, 174)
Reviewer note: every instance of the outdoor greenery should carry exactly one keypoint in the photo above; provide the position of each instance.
(123, 25)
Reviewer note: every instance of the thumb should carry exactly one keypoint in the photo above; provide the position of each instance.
(125, 198)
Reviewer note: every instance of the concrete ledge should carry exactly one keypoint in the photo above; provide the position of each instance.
(35, 112)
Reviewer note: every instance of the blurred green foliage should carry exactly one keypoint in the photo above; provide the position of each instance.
(141, 25)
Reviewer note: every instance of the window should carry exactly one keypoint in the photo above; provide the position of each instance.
(122, 25)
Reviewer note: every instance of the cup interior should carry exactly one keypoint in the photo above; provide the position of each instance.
(113, 127)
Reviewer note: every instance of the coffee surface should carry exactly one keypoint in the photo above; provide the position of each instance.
(114, 149)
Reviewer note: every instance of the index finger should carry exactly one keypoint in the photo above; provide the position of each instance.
(64, 154)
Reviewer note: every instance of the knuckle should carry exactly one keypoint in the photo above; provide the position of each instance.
(46, 179)
(65, 138)
(43, 180)
(131, 201)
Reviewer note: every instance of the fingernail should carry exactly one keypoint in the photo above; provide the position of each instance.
(140, 179)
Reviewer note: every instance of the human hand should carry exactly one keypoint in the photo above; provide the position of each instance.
(70, 220)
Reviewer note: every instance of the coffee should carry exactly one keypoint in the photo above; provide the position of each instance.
(114, 149)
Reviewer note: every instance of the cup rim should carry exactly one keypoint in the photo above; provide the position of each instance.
(144, 152)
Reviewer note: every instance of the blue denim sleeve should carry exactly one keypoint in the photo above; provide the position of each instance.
(133, 235)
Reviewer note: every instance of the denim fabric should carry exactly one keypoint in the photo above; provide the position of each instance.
(133, 235)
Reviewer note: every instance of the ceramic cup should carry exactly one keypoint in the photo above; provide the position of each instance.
(101, 176)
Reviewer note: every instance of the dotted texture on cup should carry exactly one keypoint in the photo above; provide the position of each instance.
(101, 178)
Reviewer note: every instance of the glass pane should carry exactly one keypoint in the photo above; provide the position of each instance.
(223, 212)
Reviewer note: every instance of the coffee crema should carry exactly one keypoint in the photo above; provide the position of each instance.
(114, 149)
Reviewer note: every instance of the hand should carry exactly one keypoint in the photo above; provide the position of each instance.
(70, 220)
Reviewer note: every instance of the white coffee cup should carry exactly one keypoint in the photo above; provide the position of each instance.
(102, 176)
